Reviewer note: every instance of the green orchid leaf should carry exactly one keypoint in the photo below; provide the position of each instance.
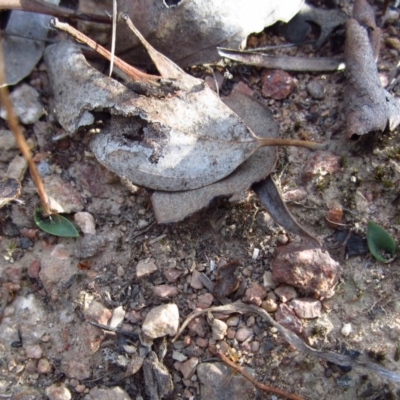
(56, 225)
(380, 243)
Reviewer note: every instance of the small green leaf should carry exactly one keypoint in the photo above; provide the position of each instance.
(380, 243)
(56, 225)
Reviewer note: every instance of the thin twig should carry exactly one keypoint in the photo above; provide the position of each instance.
(257, 384)
(135, 74)
(41, 7)
(15, 127)
(113, 35)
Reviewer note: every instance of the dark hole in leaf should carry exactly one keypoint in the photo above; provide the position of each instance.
(171, 3)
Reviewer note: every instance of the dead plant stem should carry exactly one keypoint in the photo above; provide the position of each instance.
(257, 384)
(41, 7)
(135, 74)
(20, 139)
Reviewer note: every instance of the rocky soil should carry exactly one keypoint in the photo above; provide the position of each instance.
(142, 279)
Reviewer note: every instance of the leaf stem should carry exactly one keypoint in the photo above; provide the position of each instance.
(291, 142)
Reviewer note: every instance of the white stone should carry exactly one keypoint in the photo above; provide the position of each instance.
(346, 329)
(26, 104)
(219, 329)
(86, 222)
(161, 321)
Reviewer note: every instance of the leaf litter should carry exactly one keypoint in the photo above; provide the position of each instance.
(182, 142)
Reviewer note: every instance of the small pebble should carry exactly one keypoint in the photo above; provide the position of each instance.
(277, 84)
(219, 329)
(25, 100)
(233, 321)
(178, 356)
(33, 269)
(165, 291)
(285, 293)
(269, 305)
(34, 351)
(86, 222)
(58, 392)
(268, 282)
(161, 321)
(316, 90)
(202, 342)
(188, 367)
(243, 333)
(255, 346)
(44, 366)
(145, 267)
(346, 329)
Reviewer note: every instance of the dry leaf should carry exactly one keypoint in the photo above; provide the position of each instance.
(173, 207)
(23, 43)
(179, 142)
(327, 20)
(367, 106)
(273, 203)
(189, 32)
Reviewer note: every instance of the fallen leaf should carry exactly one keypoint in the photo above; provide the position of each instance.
(175, 206)
(23, 43)
(56, 225)
(380, 243)
(298, 28)
(179, 142)
(227, 281)
(367, 106)
(273, 203)
(189, 32)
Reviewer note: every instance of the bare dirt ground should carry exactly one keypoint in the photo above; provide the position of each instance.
(59, 284)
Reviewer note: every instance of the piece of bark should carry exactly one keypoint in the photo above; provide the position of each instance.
(367, 106)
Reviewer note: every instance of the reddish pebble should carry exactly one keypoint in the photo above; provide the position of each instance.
(297, 194)
(307, 308)
(287, 318)
(198, 326)
(320, 164)
(133, 316)
(255, 294)
(205, 300)
(277, 84)
(202, 342)
(172, 275)
(165, 291)
(34, 351)
(29, 233)
(33, 269)
(285, 292)
(231, 332)
(334, 217)
(243, 333)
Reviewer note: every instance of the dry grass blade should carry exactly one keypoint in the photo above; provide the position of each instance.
(19, 138)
